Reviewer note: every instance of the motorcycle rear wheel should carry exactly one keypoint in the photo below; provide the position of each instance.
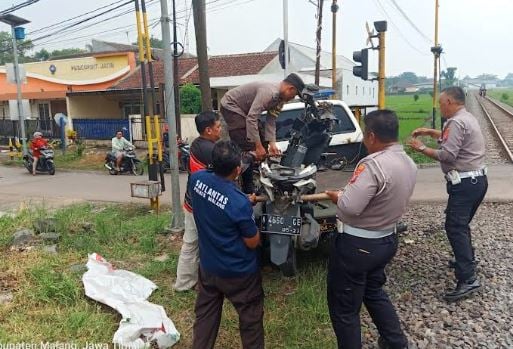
(51, 168)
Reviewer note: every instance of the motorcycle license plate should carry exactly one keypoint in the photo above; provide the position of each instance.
(277, 224)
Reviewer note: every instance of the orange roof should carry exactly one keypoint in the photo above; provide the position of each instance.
(34, 95)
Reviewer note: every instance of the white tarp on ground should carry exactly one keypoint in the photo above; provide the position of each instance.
(127, 292)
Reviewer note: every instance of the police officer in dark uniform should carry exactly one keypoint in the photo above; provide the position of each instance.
(370, 206)
(461, 155)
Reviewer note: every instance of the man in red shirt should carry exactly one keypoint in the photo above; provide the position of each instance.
(38, 143)
(209, 128)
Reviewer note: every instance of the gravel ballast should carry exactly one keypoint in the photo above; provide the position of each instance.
(419, 275)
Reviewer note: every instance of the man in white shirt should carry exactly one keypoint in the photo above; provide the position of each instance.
(119, 144)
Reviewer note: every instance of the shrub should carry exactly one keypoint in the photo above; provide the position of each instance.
(190, 99)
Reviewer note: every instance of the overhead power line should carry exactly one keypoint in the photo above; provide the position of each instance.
(85, 23)
(396, 5)
(82, 21)
(17, 7)
(384, 11)
(72, 18)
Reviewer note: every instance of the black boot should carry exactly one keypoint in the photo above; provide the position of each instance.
(383, 344)
(462, 290)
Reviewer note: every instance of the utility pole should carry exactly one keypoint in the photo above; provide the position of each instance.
(318, 35)
(200, 27)
(169, 100)
(334, 9)
(437, 50)
(176, 77)
(286, 36)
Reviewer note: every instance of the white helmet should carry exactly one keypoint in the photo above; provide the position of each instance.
(36, 134)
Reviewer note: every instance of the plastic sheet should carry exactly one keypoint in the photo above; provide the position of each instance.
(142, 322)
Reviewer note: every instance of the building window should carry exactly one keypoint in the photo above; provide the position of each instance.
(44, 111)
(347, 89)
(131, 109)
(356, 90)
(372, 92)
(363, 90)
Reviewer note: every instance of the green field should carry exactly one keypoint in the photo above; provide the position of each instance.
(412, 114)
(504, 95)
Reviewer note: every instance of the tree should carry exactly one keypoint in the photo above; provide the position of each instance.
(487, 77)
(6, 55)
(42, 55)
(154, 42)
(415, 97)
(190, 99)
(409, 77)
(450, 76)
(66, 52)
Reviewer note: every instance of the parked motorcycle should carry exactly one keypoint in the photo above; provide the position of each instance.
(184, 153)
(44, 164)
(130, 163)
(287, 222)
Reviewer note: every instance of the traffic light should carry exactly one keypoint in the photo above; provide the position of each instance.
(362, 70)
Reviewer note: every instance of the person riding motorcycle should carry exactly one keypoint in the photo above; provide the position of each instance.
(38, 143)
(119, 144)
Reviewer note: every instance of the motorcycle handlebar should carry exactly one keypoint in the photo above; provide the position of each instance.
(304, 198)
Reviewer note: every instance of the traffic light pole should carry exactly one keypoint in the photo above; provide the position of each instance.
(362, 56)
(381, 72)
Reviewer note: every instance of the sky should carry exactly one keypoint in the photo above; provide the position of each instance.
(474, 34)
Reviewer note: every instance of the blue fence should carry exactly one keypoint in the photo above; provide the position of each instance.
(100, 129)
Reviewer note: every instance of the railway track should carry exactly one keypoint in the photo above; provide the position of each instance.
(501, 120)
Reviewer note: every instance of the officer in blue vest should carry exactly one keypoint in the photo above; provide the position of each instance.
(228, 238)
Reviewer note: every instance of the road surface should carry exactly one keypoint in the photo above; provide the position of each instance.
(17, 186)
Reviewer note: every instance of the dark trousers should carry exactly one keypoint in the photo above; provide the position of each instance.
(239, 137)
(246, 295)
(356, 274)
(236, 125)
(464, 199)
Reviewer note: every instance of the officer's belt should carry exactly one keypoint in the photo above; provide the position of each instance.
(368, 234)
(471, 174)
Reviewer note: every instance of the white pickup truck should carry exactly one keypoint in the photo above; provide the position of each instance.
(346, 138)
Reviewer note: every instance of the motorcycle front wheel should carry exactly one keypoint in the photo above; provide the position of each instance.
(28, 166)
(289, 268)
(137, 168)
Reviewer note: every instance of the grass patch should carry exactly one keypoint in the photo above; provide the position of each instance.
(413, 114)
(92, 161)
(505, 95)
(49, 302)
